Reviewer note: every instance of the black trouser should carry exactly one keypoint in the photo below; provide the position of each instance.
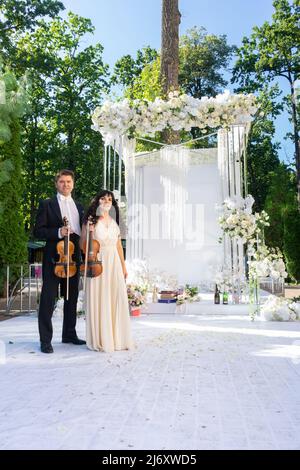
(47, 302)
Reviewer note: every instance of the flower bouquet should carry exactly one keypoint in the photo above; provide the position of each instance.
(136, 298)
(189, 294)
(267, 262)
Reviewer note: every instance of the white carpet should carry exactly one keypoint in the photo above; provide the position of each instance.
(194, 382)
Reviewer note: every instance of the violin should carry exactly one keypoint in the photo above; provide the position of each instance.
(65, 267)
(92, 267)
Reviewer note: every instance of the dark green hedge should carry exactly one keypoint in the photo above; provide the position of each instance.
(13, 241)
(291, 242)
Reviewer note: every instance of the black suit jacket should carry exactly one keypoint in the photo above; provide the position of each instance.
(48, 221)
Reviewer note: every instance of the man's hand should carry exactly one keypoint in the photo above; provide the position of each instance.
(64, 231)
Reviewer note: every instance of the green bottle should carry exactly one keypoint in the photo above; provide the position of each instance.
(217, 295)
(225, 298)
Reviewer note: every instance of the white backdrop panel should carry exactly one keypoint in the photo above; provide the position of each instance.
(195, 258)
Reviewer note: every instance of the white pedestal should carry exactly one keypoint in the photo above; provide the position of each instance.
(205, 306)
(159, 308)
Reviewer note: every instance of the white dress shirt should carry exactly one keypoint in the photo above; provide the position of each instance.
(68, 209)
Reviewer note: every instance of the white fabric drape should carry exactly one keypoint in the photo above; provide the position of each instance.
(174, 226)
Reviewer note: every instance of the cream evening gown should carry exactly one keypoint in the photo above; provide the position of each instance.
(106, 302)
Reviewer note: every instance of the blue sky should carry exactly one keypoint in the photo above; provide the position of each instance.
(124, 26)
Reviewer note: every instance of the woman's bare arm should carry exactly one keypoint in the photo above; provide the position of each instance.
(121, 255)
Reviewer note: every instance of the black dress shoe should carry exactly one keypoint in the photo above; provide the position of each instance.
(46, 348)
(76, 341)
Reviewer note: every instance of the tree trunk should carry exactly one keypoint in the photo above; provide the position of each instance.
(296, 139)
(170, 55)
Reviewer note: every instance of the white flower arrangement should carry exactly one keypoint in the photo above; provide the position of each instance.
(280, 309)
(179, 112)
(266, 262)
(238, 221)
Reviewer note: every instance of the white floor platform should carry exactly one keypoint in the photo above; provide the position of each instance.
(203, 381)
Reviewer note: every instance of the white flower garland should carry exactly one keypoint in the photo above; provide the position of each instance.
(179, 112)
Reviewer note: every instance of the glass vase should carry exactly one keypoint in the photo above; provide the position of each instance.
(254, 297)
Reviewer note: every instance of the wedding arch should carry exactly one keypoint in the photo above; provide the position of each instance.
(174, 194)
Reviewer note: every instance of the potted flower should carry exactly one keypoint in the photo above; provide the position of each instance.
(136, 298)
(188, 294)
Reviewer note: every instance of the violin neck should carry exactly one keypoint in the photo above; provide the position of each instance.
(65, 221)
(91, 244)
(65, 245)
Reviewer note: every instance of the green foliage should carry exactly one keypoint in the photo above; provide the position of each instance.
(273, 49)
(12, 236)
(147, 84)
(192, 291)
(287, 103)
(13, 100)
(273, 52)
(279, 201)
(13, 103)
(291, 242)
(203, 59)
(19, 16)
(68, 81)
(262, 151)
(127, 69)
(6, 168)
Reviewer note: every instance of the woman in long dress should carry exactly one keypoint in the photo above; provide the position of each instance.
(106, 302)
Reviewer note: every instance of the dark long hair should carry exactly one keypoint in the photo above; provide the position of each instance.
(93, 207)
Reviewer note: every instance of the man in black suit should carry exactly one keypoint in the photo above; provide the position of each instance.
(49, 227)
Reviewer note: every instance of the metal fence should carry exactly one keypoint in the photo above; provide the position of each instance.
(23, 294)
(274, 286)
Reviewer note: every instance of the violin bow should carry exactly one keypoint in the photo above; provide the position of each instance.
(68, 262)
(86, 253)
